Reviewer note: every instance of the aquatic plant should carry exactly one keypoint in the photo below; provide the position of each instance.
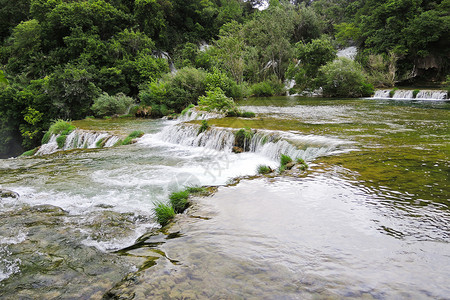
(179, 201)
(164, 213)
(392, 92)
(263, 169)
(415, 92)
(285, 159)
(243, 137)
(61, 140)
(203, 127)
(184, 111)
(30, 152)
(196, 189)
(135, 134)
(100, 143)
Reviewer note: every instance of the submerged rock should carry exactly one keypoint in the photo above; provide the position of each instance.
(8, 194)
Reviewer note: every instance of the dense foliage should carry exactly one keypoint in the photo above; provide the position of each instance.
(62, 59)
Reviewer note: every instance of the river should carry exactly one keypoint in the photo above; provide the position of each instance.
(368, 219)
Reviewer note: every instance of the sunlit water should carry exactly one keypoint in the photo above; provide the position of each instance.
(369, 219)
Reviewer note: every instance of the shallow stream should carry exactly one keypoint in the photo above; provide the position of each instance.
(370, 218)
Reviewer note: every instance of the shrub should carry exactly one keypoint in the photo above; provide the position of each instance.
(203, 127)
(343, 78)
(61, 140)
(262, 169)
(262, 89)
(61, 127)
(30, 152)
(164, 213)
(247, 114)
(243, 137)
(392, 92)
(216, 100)
(184, 111)
(179, 201)
(285, 159)
(129, 139)
(46, 137)
(106, 105)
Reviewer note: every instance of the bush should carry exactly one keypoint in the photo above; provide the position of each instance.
(61, 127)
(129, 139)
(415, 92)
(247, 114)
(179, 201)
(216, 100)
(164, 213)
(106, 105)
(203, 127)
(392, 92)
(30, 152)
(344, 78)
(262, 169)
(243, 137)
(262, 89)
(285, 159)
(184, 111)
(61, 140)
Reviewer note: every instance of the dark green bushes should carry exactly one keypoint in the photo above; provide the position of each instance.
(242, 138)
(203, 127)
(343, 78)
(106, 105)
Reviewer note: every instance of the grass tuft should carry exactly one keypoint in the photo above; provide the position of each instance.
(204, 127)
(285, 159)
(179, 201)
(263, 169)
(164, 213)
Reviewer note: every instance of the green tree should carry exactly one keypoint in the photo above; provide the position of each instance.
(343, 78)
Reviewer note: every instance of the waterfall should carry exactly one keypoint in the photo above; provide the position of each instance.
(403, 94)
(432, 95)
(79, 139)
(349, 52)
(194, 114)
(381, 94)
(409, 95)
(268, 143)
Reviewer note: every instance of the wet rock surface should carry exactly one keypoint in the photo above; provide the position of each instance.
(47, 259)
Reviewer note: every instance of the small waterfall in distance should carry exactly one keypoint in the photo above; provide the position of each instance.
(79, 139)
(400, 94)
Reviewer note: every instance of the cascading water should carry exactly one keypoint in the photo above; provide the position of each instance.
(270, 144)
(79, 139)
(409, 95)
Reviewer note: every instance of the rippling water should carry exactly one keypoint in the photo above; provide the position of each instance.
(369, 219)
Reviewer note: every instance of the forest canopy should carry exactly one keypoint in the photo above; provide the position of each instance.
(59, 57)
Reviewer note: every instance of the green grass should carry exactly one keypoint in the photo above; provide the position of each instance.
(247, 114)
(60, 126)
(184, 111)
(243, 137)
(392, 92)
(415, 92)
(164, 213)
(196, 190)
(46, 137)
(129, 139)
(285, 159)
(203, 127)
(179, 201)
(61, 140)
(30, 152)
(262, 169)
(100, 143)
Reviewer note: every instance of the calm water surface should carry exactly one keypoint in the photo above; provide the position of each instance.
(369, 219)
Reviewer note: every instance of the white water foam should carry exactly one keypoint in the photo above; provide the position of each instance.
(79, 139)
